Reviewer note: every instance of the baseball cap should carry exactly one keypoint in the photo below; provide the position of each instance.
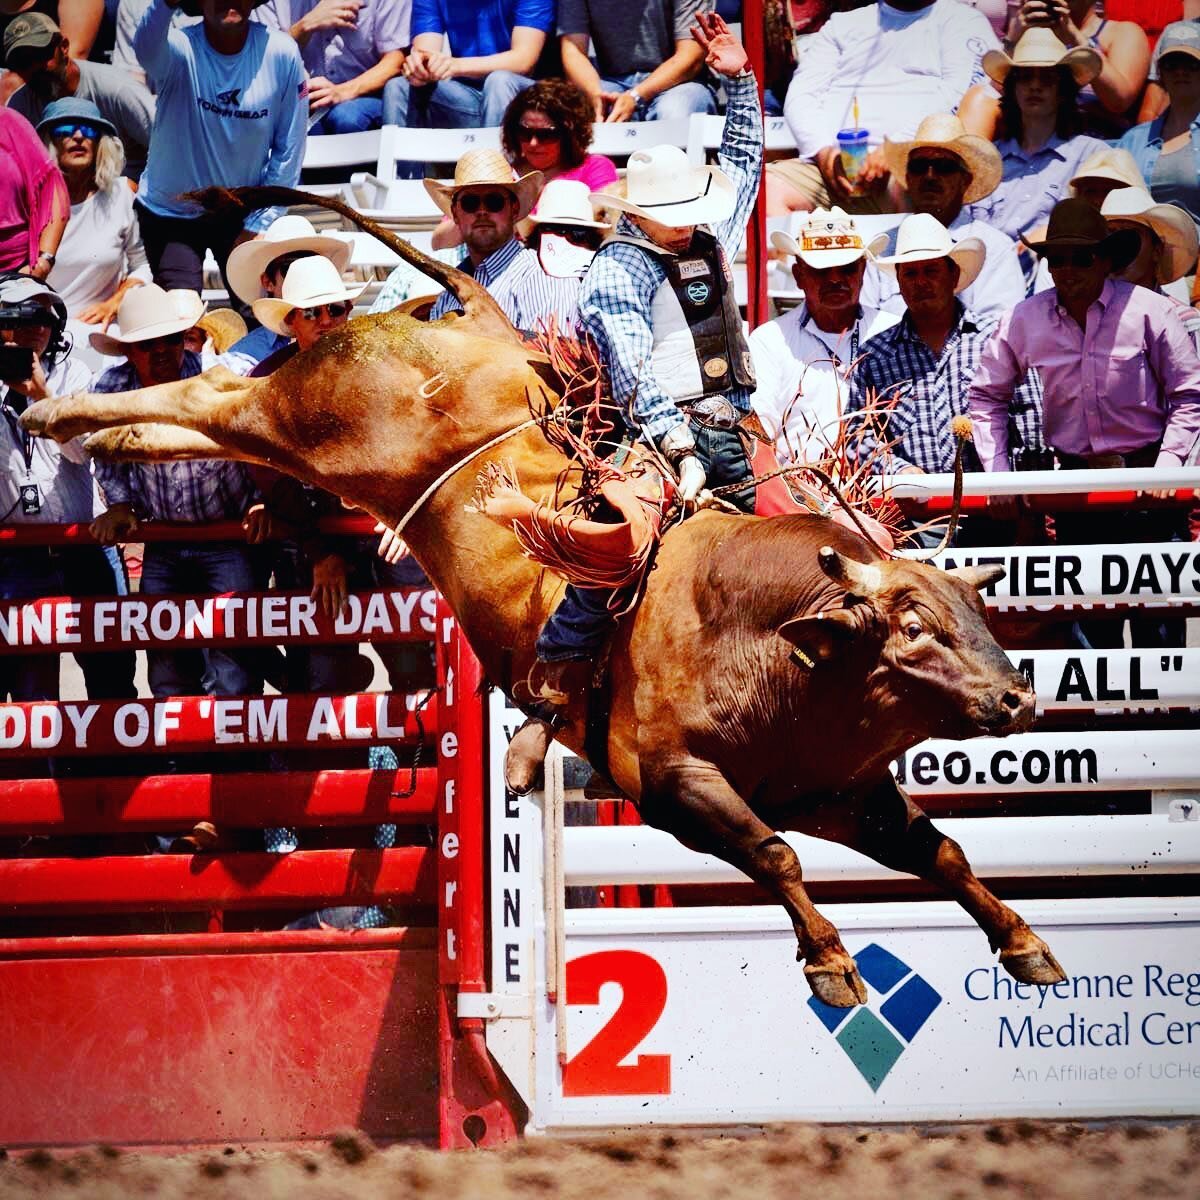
(1180, 37)
(32, 30)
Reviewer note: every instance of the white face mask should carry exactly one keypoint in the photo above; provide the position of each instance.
(561, 258)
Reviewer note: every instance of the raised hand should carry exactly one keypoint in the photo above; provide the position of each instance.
(723, 53)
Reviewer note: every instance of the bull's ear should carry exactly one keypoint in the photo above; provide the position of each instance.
(978, 577)
(820, 637)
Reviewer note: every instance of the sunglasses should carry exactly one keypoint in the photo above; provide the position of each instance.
(336, 310)
(1070, 258)
(535, 133)
(939, 166)
(70, 129)
(577, 235)
(494, 202)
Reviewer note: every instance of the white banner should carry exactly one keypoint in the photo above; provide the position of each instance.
(1111, 680)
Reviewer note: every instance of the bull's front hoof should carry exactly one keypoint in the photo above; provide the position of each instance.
(525, 755)
(38, 418)
(837, 987)
(1034, 966)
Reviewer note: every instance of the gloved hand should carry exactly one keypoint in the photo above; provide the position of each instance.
(692, 477)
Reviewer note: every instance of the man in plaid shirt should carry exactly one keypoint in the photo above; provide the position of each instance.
(658, 300)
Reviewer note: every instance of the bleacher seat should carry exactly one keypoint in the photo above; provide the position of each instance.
(622, 138)
(704, 137)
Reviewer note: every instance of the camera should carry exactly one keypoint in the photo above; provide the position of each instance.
(16, 363)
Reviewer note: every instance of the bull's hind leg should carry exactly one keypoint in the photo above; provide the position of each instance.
(885, 824)
(197, 403)
(696, 804)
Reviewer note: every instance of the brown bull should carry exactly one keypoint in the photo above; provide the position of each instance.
(773, 670)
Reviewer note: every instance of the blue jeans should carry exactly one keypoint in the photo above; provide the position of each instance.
(351, 116)
(208, 569)
(449, 104)
(678, 102)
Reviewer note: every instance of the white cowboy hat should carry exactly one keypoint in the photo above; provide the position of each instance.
(1173, 227)
(565, 202)
(662, 185)
(287, 235)
(827, 238)
(1039, 47)
(479, 168)
(942, 131)
(148, 312)
(308, 282)
(922, 237)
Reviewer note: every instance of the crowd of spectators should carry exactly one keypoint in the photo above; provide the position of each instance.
(992, 208)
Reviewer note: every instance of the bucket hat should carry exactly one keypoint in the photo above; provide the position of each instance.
(148, 312)
(288, 234)
(1039, 47)
(479, 168)
(942, 131)
(308, 282)
(922, 237)
(663, 185)
(72, 108)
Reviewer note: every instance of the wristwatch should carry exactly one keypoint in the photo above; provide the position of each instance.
(50, 258)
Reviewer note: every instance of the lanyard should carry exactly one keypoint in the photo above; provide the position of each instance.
(23, 439)
(837, 362)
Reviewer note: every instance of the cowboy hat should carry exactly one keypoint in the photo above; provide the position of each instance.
(1174, 228)
(827, 238)
(479, 168)
(224, 327)
(941, 131)
(1039, 47)
(1075, 224)
(308, 282)
(147, 312)
(565, 202)
(922, 237)
(1111, 163)
(662, 185)
(290, 234)
(72, 108)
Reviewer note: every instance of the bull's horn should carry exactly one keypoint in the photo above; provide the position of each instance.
(862, 579)
(978, 577)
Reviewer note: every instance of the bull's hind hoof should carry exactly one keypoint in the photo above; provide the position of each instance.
(837, 987)
(1034, 966)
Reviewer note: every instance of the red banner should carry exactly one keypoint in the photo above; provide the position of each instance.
(188, 724)
(255, 618)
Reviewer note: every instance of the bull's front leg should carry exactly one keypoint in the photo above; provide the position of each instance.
(884, 823)
(152, 442)
(196, 403)
(694, 802)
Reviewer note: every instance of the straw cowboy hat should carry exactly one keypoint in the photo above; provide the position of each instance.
(308, 282)
(662, 185)
(1075, 224)
(1117, 165)
(224, 327)
(147, 312)
(565, 202)
(922, 237)
(479, 168)
(1039, 47)
(941, 131)
(290, 234)
(1174, 228)
(826, 238)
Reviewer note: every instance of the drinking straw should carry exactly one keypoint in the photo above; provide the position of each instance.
(856, 112)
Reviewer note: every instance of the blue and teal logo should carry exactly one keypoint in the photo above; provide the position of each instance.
(872, 1042)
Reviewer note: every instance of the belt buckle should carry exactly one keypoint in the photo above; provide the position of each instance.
(715, 411)
(1105, 462)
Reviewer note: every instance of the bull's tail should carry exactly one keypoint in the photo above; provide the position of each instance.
(484, 313)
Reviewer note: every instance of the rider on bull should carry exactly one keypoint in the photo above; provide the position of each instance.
(658, 300)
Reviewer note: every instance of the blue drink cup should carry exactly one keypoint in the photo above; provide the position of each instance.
(854, 147)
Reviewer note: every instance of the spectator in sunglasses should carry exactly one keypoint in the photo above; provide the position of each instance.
(36, 50)
(100, 257)
(943, 169)
(150, 341)
(1121, 385)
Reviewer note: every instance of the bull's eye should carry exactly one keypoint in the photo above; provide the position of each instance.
(912, 629)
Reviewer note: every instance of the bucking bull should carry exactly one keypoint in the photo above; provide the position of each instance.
(720, 732)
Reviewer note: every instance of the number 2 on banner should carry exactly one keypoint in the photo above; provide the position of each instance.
(597, 1069)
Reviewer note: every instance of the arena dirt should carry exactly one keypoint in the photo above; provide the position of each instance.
(1013, 1159)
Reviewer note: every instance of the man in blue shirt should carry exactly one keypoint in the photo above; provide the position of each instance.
(494, 47)
(231, 113)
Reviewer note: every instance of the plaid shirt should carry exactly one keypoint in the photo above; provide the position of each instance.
(931, 389)
(515, 280)
(207, 489)
(620, 285)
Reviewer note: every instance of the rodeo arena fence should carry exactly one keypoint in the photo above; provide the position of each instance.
(667, 991)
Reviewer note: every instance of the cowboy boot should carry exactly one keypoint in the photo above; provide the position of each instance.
(527, 751)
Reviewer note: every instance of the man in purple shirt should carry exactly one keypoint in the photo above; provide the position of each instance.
(1120, 380)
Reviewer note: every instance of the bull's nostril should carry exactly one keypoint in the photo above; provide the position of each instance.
(1011, 701)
